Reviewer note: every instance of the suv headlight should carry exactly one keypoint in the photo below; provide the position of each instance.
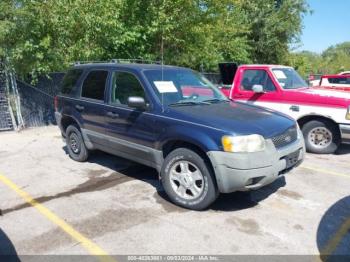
(348, 114)
(249, 143)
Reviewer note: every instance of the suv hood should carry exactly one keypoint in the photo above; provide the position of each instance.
(235, 118)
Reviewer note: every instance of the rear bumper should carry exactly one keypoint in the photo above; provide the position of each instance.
(249, 171)
(345, 133)
(58, 117)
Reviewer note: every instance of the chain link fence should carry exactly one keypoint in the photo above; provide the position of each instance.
(10, 115)
(215, 78)
(37, 101)
(5, 117)
(25, 105)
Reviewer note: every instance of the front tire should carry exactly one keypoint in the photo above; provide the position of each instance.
(321, 137)
(188, 179)
(75, 144)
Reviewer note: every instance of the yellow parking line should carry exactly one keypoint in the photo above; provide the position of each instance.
(336, 239)
(93, 248)
(325, 171)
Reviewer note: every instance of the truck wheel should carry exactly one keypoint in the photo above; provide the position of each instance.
(75, 144)
(321, 137)
(188, 180)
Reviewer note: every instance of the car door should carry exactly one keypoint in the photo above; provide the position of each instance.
(92, 105)
(130, 130)
(270, 97)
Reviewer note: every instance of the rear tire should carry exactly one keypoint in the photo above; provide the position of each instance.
(75, 144)
(321, 137)
(188, 180)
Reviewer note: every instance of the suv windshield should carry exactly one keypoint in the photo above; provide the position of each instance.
(288, 78)
(183, 87)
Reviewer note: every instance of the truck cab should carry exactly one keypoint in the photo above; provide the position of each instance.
(323, 115)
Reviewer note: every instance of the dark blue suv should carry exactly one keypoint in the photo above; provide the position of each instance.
(175, 120)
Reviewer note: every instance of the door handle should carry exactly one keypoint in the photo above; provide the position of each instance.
(294, 108)
(79, 107)
(112, 115)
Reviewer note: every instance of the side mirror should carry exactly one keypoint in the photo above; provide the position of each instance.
(136, 102)
(258, 89)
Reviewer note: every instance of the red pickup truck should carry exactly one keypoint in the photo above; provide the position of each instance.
(323, 115)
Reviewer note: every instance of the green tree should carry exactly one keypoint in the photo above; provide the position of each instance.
(332, 61)
(306, 63)
(43, 36)
(274, 25)
(337, 58)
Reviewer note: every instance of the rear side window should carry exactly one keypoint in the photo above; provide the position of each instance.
(70, 81)
(94, 85)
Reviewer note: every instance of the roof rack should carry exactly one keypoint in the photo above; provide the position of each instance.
(120, 61)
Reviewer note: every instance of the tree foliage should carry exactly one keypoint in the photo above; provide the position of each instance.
(332, 61)
(273, 26)
(43, 36)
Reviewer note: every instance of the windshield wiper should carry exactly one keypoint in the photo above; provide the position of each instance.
(189, 103)
(216, 100)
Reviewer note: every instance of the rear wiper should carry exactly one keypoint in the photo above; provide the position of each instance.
(189, 103)
(216, 100)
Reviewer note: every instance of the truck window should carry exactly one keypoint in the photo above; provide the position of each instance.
(125, 85)
(253, 77)
(70, 80)
(288, 78)
(339, 80)
(94, 85)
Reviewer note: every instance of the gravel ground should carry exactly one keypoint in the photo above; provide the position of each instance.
(120, 206)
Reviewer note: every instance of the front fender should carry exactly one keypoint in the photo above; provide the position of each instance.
(204, 139)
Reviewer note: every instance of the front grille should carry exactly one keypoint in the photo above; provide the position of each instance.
(286, 138)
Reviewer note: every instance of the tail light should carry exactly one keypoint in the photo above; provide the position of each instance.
(55, 101)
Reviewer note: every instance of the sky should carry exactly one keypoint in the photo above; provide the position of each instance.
(329, 24)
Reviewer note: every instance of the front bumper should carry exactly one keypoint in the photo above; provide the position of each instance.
(248, 171)
(345, 133)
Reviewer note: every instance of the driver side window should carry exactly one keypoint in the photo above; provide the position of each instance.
(125, 85)
(253, 77)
